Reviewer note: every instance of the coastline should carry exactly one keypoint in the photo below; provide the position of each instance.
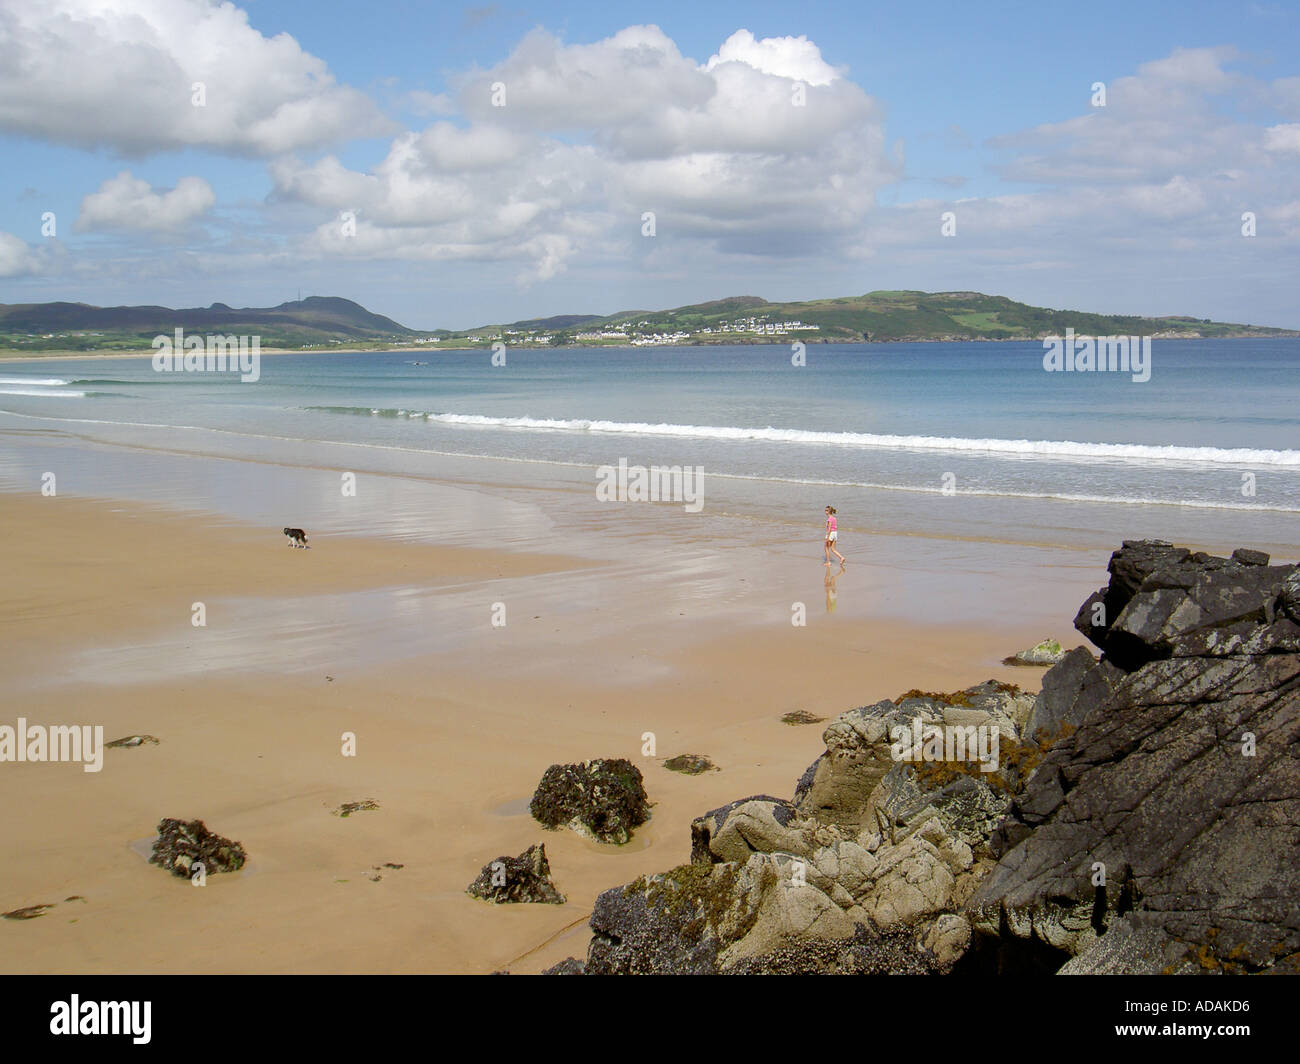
(486, 345)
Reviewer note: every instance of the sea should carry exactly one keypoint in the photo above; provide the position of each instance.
(956, 441)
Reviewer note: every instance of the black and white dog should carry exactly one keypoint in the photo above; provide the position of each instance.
(297, 537)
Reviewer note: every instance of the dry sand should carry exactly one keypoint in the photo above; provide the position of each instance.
(452, 738)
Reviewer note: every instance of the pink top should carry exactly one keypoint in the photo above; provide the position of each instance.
(830, 523)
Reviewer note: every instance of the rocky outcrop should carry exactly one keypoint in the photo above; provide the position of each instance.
(1164, 601)
(526, 878)
(603, 799)
(1160, 833)
(183, 844)
(837, 788)
(1068, 690)
(1140, 813)
(817, 884)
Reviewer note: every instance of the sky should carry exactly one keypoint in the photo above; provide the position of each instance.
(452, 166)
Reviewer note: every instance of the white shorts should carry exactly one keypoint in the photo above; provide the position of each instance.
(832, 536)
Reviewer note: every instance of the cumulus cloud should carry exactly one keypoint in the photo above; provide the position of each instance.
(121, 74)
(786, 57)
(764, 148)
(766, 151)
(1174, 116)
(17, 259)
(129, 203)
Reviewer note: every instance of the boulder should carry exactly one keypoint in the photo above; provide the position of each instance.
(602, 799)
(758, 824)
(526, 878)
(837, 787)
(1048, 652)
(947, 939)
(1160, 596)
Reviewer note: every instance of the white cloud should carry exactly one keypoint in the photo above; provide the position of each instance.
(120, 74)
(428, 103)
(592, 135)
(16, 258)
(129, 203)
(1283, 138)
(786, 57)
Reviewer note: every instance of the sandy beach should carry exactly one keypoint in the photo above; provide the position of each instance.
(455, 722)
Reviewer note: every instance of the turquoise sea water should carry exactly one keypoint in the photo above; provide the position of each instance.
(959, 439)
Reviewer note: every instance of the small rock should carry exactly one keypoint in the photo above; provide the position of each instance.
(1048, 652)
(690, 764)
(801, 716)
(29, 913)
(133, 740)
(182, 843)
(526, 878)
(348, 808)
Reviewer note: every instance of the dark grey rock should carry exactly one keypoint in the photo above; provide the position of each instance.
(1159, 596)
(1072, 687)
(1197, 834)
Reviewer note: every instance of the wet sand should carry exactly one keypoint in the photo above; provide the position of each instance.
(455, 721)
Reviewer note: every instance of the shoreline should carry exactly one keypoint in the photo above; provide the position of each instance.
(8, 355)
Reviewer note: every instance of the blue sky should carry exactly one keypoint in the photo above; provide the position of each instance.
(464, 213)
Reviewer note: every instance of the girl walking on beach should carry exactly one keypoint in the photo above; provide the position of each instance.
(832, 534)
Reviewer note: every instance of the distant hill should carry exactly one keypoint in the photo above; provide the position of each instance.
(876, 316)
(321, 321)
(317, 320)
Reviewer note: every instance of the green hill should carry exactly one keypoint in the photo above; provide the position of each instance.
(879, 316)
(321, 321)
(315, 321)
